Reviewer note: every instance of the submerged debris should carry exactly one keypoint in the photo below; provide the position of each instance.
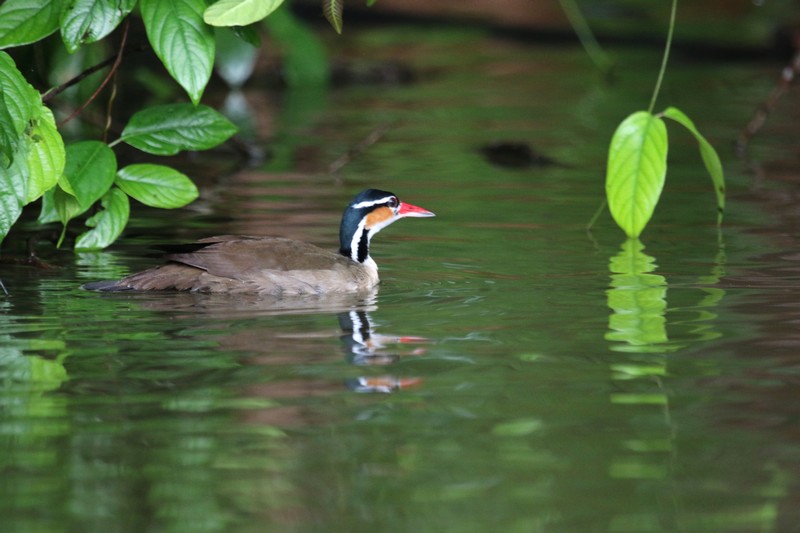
(515, 154)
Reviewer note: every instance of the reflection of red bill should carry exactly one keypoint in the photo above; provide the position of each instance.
(411, 340)
(388, 383)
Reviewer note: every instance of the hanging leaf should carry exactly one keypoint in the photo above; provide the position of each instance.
(239, 12)
(28, 21)
(707, 153)
(637, 166)
(46, 156)
(332, 9)
(156, 185)
(181, 40)
(168, 129)
(107, 224)
(89, 172)
(88, 21)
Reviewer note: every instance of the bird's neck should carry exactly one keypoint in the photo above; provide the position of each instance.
(354, 242)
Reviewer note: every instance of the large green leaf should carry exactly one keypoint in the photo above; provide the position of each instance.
(89, 172)
(27, 21)
(88, 21)
(156, 185)
(12, 192)
(637, 167)
(168, 129)
(22, 101)
(108, 223)
(46, 156)
(707, 153)
(239, 12)
(183, 42)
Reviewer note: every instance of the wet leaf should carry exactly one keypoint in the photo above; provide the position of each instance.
(28, 21)
(89, 172)
(637, 166)
(239, 12)
(107, 224)
(168, 129)
(46, 156)
(709, 155)
(88, 21)
(332, 9)
(157, 185)
(181, 40)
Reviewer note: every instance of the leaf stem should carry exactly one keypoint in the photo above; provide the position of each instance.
(666, 56)
(586, 37)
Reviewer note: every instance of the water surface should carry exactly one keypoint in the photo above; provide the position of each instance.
(514, 372)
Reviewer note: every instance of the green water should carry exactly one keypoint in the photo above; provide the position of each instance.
(519, 374)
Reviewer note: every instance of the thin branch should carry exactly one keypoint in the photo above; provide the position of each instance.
(55, 91)
(108, 77)
(373, 137)
(666, 56)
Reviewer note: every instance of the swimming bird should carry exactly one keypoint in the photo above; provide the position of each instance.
(277, 266)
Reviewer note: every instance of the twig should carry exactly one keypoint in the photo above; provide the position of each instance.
(373, 137)
(3, 287)
(760, 116)
(55, 91)
(105, 80)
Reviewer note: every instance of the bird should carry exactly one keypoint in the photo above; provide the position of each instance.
(277, 266)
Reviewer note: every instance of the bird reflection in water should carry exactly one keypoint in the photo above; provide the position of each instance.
(365, 348)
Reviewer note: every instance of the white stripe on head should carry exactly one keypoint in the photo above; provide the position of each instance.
(370, 203)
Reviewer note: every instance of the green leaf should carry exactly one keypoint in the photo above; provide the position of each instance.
(66, 206)
(22, 100)
(27, 21)
(12, 192)
(107, 224)
(89, 172)
(46, 157)
(157, 185)
(168, 129)
(48, 212)
(8, 133)
(332, 9)
(88, 21)
(370, 3)
(247, 34)
(239, 12)
(182, 41)
(637, 166)
(710, 158)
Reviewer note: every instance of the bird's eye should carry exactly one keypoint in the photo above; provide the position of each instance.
(393, 202)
